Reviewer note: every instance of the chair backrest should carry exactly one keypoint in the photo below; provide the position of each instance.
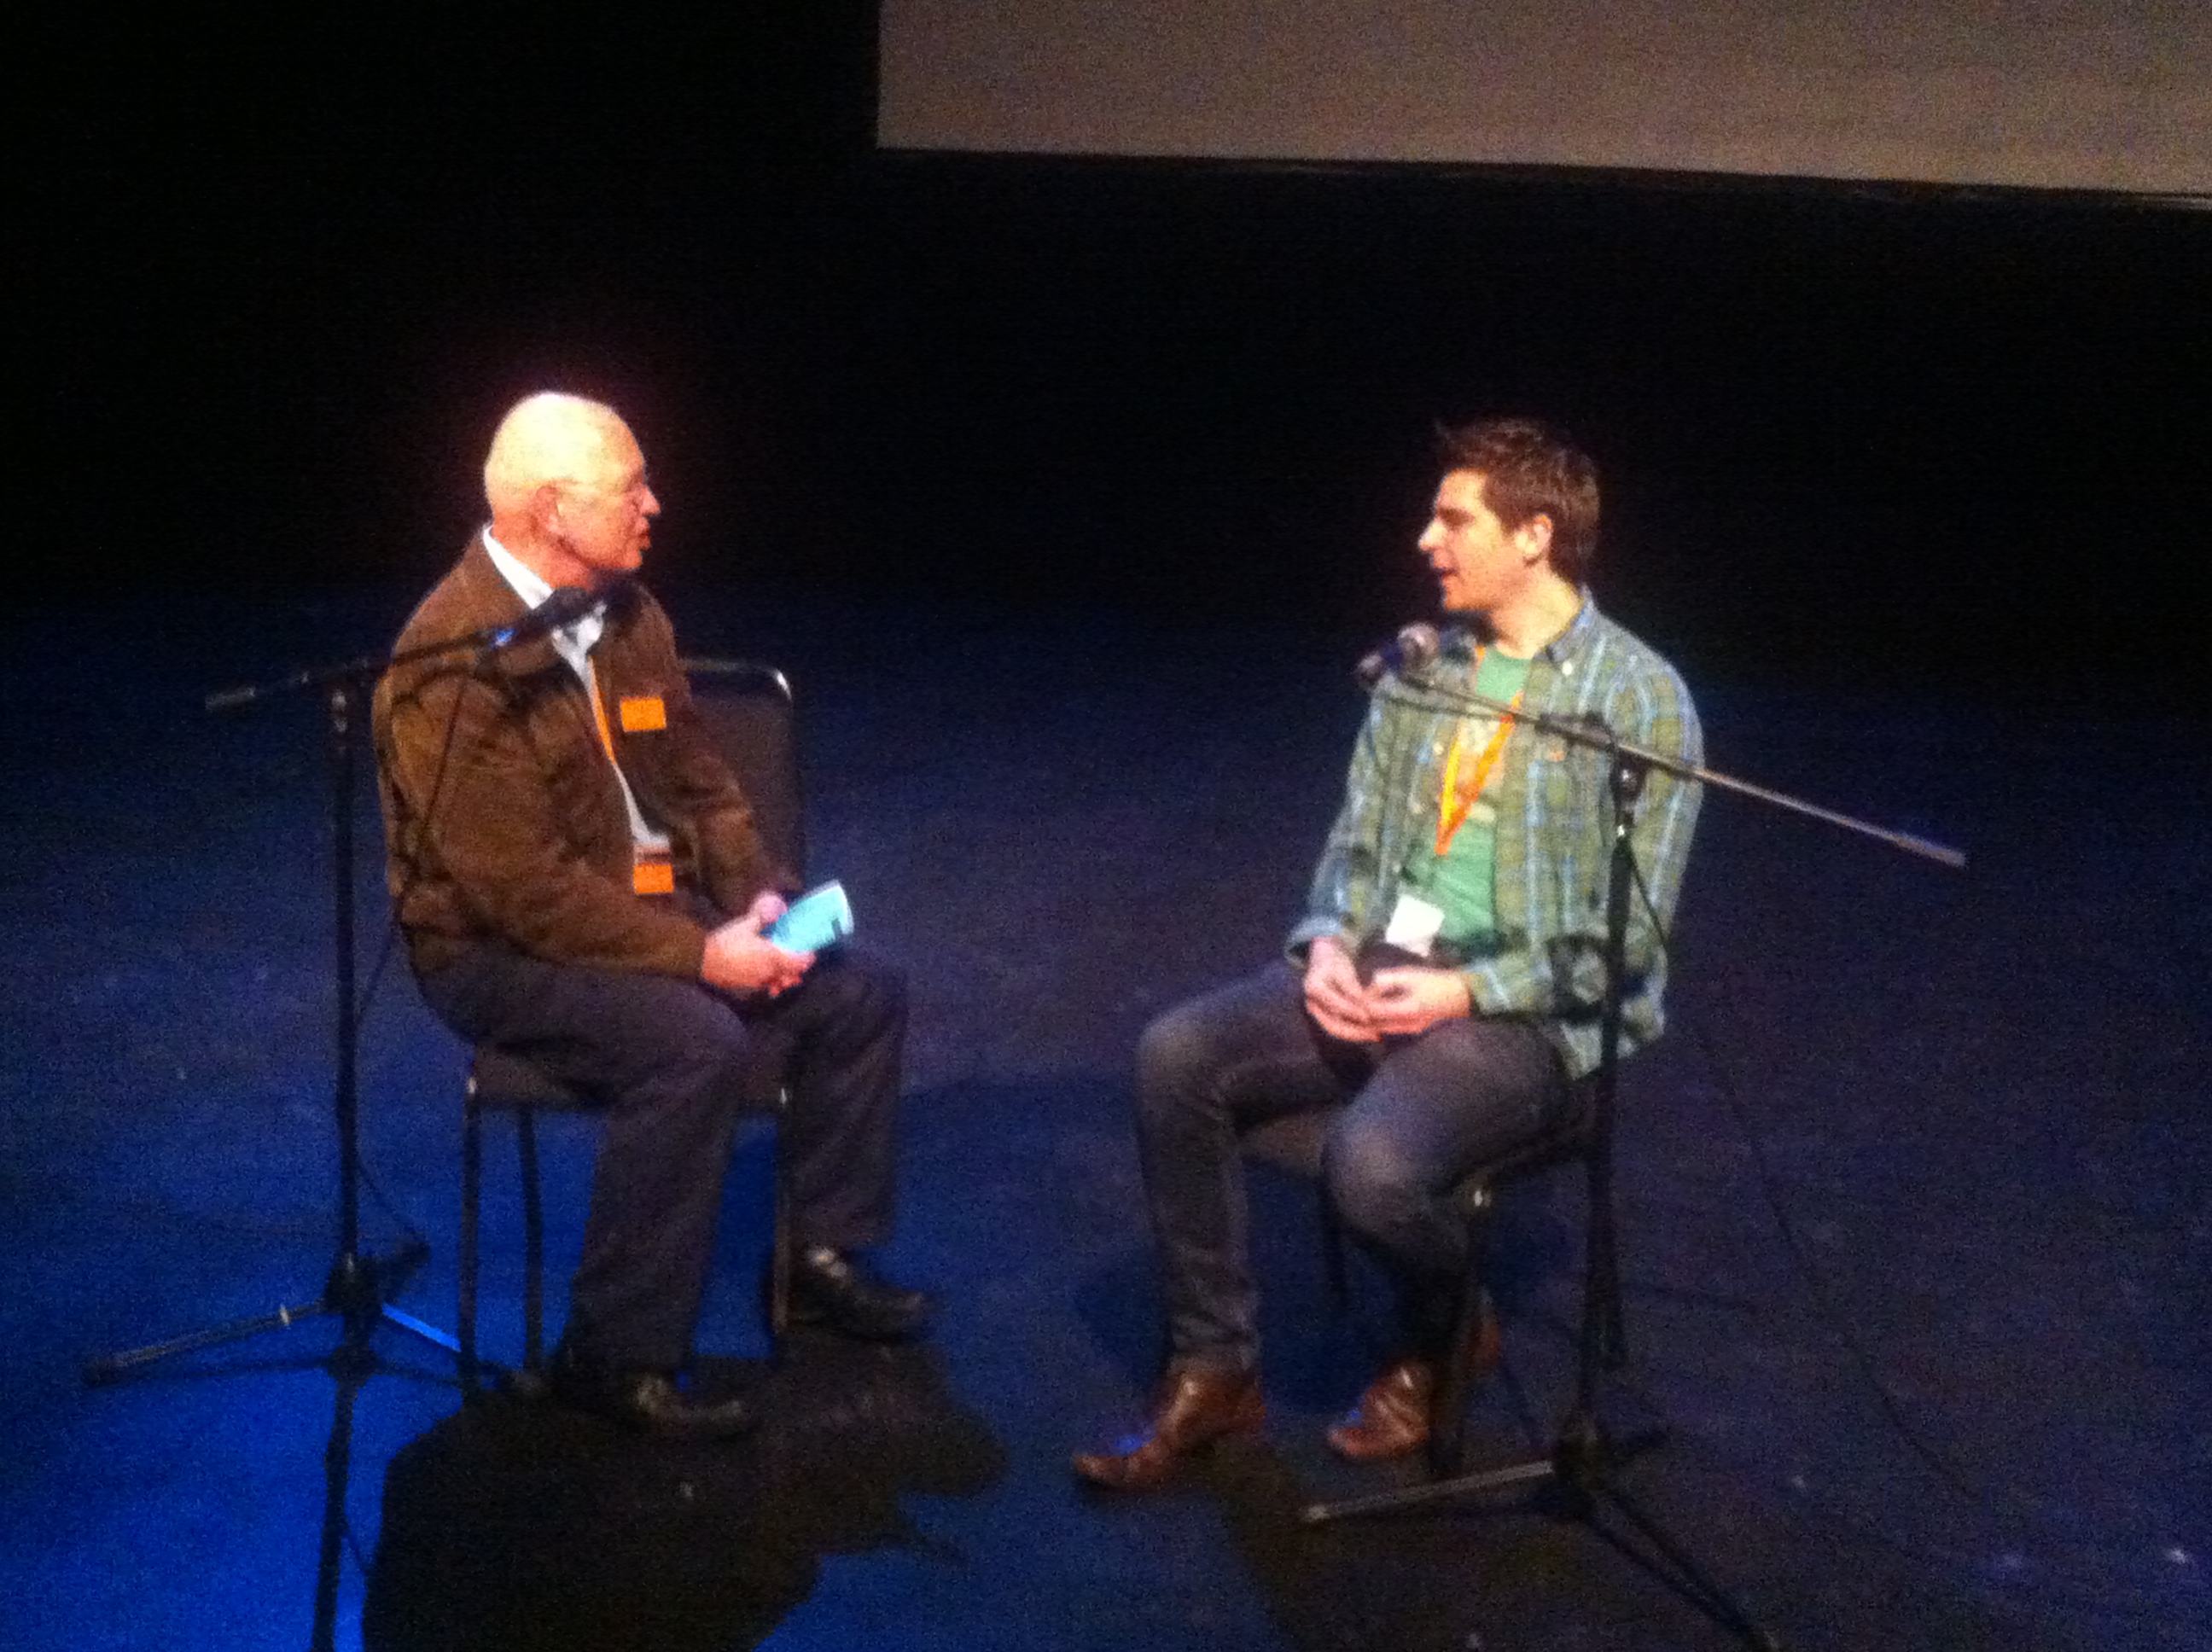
(748, 713)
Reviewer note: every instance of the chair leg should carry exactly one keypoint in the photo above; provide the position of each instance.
(779, 1246)
(471, 1188)
(533, 1244)
(1333, 1244)
(1447, 1439)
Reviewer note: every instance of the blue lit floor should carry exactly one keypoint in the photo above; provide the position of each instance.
(1979, 1100)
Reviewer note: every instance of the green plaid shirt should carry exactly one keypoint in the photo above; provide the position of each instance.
(1554, 828)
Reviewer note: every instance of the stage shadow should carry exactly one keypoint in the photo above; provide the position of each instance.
(515, 1524)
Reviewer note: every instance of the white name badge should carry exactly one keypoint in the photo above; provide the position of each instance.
(1414, 924)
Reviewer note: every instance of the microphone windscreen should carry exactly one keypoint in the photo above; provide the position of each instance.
(1413, 647)
(1418, 644)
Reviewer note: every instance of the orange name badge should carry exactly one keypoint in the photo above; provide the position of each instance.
(653, 877)
(642, 713)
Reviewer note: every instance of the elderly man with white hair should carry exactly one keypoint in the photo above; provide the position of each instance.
(580, 880)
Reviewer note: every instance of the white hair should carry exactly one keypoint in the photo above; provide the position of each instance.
(548, 437)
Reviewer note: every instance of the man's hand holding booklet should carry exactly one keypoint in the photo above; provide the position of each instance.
(821, 917)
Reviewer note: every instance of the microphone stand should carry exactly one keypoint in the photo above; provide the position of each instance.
(1585, 1458)
(357, 1287)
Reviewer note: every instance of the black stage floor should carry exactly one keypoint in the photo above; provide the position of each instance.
(1960, 1400)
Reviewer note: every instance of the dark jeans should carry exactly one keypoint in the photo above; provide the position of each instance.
(1414, 1117)
(670, 1057)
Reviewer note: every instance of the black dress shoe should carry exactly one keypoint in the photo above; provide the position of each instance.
(843, 1294)
(646, 1400)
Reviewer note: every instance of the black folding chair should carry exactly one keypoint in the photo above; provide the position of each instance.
(747, 710)
(1293, 1142)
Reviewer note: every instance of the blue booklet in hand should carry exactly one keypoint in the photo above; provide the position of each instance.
(821, 917)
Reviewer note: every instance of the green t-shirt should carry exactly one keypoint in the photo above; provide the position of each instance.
(1461, 882)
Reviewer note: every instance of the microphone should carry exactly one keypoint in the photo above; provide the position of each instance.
(567, 605)
(1413, 647)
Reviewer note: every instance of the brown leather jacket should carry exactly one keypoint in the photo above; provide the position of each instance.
(503, 820)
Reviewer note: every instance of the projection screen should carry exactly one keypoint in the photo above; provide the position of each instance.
(2109, 95)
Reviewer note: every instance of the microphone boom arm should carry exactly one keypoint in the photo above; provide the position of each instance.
(556, 612)
(1596, 737)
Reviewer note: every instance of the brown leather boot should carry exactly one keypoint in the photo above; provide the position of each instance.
(1394, 1415)
(1199, 1405)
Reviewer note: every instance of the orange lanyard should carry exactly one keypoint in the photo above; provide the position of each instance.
(652, 873)
(599, 717)
(1454, 804)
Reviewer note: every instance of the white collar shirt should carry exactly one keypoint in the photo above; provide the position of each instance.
(573, 642)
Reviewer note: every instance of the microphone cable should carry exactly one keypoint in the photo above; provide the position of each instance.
(2005, 1504)
(418, 851)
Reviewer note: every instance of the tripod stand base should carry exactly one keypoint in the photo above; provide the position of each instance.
(354, 1292)
(1582, 1466)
